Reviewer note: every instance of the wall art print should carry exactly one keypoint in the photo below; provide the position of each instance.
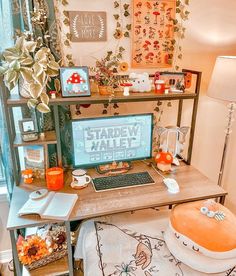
(153, 33)
(75, 81)
(87, 26)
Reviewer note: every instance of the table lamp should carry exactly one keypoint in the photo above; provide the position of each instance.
(223, 87)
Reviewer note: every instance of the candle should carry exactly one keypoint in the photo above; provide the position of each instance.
(54, 178)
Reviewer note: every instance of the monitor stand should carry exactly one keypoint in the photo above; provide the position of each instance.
(114, 168)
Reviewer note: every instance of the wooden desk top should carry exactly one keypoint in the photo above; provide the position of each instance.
(193, 186)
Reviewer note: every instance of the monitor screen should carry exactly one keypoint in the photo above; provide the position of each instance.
(106, 139)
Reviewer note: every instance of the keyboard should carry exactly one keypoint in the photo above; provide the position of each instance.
(122, 181)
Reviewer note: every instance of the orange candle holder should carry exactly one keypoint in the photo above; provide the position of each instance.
(54, 178)
(27, 176)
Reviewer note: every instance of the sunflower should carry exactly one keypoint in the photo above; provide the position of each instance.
(124, 66)
(32, 249)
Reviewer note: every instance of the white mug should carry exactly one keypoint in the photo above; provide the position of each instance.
(80, 179)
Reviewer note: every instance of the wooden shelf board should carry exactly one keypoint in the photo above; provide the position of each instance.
(56, 268)
(49, 139)
(95, 98)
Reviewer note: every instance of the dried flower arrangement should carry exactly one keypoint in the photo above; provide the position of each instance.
(105, 69)
(31, 62)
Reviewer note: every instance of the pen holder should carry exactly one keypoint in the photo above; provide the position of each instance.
(54, 178)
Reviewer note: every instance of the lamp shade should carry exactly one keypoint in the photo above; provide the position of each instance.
(223, 81)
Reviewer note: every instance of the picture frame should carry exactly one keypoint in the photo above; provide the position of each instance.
(75, 81)
(27, 126)
(174, 81)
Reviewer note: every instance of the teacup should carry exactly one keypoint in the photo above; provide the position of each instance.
(80, 179)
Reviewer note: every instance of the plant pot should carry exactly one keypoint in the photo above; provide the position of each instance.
(105, 90)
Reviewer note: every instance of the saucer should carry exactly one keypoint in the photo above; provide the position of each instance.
(38, 194)
(76, 187)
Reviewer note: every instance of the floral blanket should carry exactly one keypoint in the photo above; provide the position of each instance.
(130, 244)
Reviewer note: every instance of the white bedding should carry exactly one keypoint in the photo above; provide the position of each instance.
(130, 244)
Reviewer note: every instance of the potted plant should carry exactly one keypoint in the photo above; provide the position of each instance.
(105, 71)
(31, 63)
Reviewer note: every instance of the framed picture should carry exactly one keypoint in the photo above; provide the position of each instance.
(175, 81)
(75, 81)
(27, 126)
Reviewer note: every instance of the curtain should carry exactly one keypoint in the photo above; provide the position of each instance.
(6, 40)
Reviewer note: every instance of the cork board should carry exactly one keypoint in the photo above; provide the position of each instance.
(87, 26)
(153, 33)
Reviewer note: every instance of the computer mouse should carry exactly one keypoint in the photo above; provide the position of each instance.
(172, 185)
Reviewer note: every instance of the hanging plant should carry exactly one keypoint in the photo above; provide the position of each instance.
(182, 14)
(124, 12)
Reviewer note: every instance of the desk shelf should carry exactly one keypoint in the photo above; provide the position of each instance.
(49, 139)
(96, 98)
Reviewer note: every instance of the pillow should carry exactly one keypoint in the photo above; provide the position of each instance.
(196, 261)
(205, 227)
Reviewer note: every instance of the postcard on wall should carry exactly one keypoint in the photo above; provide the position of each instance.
(153, 33)
(87, 26)
(34, 159)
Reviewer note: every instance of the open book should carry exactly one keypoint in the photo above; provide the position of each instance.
(52, 206)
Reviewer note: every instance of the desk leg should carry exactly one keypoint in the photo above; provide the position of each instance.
(69, 248)
(222, 200)
(17, 265)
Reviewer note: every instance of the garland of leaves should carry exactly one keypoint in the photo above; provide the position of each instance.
(124, 11)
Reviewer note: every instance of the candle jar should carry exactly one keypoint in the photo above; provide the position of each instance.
(159, 86)
(54, 178)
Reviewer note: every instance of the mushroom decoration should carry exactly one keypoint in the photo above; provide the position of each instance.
(149, 57)
(163, 161)
(126, 88)
(146, 45)
(148, 5)
(53, 94)
(156, 13)
(138, 29)
(138, 14)
(76, 82)
(139, 5)
(156, 45)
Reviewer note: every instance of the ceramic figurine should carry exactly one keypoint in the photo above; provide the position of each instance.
(140, 82)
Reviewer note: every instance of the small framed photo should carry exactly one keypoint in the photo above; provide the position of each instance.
(174, 80)
(75, 81)
(27, 126)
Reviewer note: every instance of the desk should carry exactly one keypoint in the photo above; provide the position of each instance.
(193, 186)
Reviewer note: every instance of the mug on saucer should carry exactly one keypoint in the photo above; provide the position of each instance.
(80, 179)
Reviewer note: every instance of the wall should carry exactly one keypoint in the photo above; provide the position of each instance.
(210, 32)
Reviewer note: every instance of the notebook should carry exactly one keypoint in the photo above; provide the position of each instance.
(53, 206)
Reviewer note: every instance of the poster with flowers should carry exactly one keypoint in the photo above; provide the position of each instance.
(153, 42)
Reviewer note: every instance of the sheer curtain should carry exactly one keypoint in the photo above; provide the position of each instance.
(10, 19)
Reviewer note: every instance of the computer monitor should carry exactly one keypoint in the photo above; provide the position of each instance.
(103, 140)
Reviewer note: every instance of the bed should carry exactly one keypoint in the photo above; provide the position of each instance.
(130, 244)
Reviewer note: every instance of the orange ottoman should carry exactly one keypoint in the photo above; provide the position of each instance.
(206, 230)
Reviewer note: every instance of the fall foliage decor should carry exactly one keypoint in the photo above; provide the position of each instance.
(31, 249)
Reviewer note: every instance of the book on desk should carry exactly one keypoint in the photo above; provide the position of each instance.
(50, 206)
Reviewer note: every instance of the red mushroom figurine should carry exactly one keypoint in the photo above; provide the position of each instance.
(126, 88)
(163, 161)
(53, 94)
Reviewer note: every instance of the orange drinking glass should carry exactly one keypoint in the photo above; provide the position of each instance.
(54, 178)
